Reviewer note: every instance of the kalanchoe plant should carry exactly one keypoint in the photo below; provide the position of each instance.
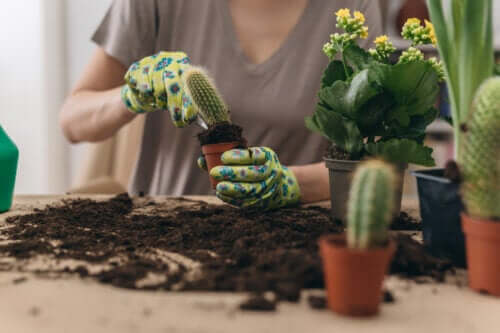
(371, 204)
(203, 92)
(480, 148)
(370, 107)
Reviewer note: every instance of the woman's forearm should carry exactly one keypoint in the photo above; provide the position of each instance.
(93, 116)
(314, 182)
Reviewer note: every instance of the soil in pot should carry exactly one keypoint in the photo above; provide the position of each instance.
(229, 249)
(222, 133)
(217, 140)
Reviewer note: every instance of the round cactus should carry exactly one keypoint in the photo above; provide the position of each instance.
(205, 97)
(480, 150)
(371, 205)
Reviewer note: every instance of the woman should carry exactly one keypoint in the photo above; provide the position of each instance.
(266, 59)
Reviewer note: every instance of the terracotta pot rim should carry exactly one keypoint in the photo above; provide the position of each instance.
(342, 247)
(482, 228)
(218, 148)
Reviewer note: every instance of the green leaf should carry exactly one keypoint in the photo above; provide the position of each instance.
(348, 98)
(402, 151)
(417, 126)
(333, 97)
(336, 128)
(358, 58)
(414, 86)
(334, 72)
(496, 70)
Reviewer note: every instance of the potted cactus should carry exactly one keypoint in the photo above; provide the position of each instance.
(9, 155)
(221, 135)
(370, 106)
(480, 168)
(355, 264)
(465, 42)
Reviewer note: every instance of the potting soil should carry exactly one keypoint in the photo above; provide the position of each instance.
(179, 244)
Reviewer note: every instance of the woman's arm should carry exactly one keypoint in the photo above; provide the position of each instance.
(94, 110)
(313, 181)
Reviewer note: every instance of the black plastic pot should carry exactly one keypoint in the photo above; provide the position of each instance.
(440, 208)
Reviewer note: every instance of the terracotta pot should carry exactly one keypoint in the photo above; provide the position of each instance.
(354, 278)
(213, 153)
(482, 243)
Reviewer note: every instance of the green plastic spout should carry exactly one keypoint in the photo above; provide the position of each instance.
(9, 155)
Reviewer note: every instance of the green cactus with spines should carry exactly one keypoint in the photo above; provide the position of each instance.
(371, 205)
(479, 158)
(203, 92)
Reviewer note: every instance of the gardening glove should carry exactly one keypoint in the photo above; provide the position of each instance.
(254, 177)
(154, 83)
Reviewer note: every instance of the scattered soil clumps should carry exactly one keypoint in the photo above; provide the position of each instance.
(180, 244)
(317, 302)
(258, 303)
(412, 261)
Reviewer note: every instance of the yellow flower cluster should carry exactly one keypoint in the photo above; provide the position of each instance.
(383, 48)
(414, 31)
(353, 25)
(354, 28)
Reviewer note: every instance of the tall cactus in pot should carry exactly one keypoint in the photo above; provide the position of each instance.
(480, 150)
(206, 98)
(371, 205)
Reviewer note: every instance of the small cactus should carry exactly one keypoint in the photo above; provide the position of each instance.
(371, 205)
(479, 159)
(205, 97)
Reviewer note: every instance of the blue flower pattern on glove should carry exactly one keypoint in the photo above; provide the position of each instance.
(154, 83)
(254, 177)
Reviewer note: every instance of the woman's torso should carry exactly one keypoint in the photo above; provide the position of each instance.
(269, 100)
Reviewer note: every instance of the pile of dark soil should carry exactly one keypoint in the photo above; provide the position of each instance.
(239, 250)
(222, 133)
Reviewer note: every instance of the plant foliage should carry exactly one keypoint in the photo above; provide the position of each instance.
(369, 107)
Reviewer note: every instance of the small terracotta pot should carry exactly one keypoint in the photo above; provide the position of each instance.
(213, 153)
(354, 278)
(482, 242)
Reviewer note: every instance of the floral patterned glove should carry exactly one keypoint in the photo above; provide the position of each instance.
(254, 177)
(154, 83)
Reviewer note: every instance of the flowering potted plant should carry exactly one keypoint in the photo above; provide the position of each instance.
(221, 134)
(465, 43)
(480, 189)
(354, 265)
(371, 107)
(9, 155)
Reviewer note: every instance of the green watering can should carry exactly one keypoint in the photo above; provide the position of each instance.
(9, 155)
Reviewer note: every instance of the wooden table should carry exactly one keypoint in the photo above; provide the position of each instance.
(76, 305)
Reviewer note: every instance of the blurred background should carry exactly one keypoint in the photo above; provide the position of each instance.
(45, 46)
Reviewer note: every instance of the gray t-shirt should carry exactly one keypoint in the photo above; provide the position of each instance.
(269, 100)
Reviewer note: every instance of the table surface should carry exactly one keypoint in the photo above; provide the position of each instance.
(76, 305)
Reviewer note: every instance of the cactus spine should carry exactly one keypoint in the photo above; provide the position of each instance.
(205, 97)
(479, 159)
(371, 205)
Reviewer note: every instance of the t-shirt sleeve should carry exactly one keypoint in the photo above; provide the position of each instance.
(128, 32)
